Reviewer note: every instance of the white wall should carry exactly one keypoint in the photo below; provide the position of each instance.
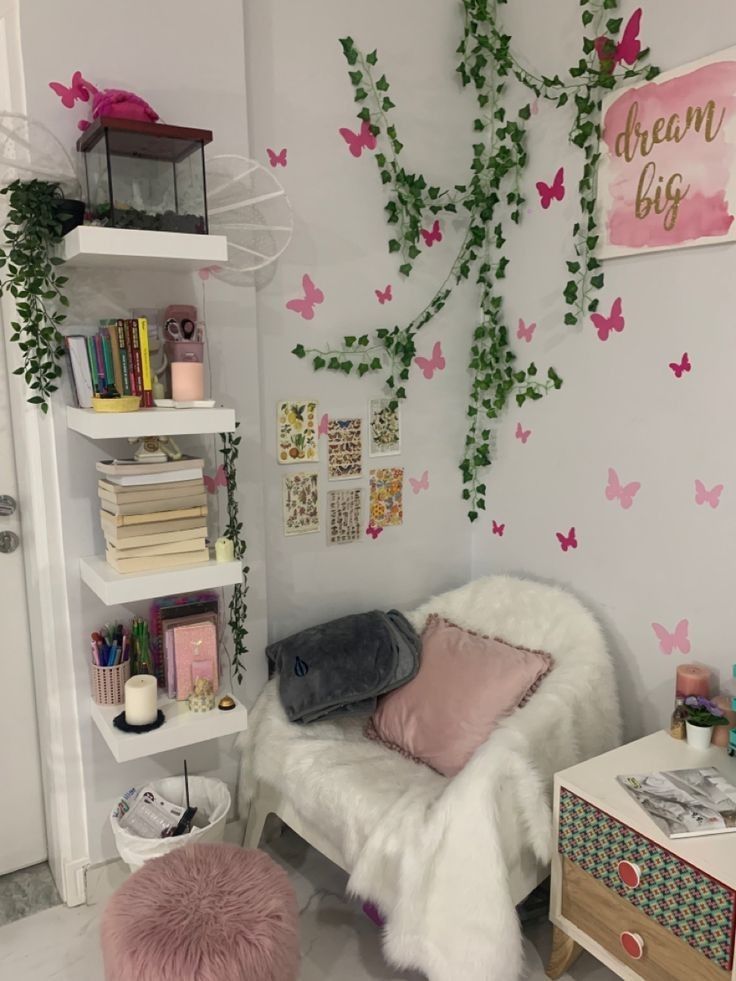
(665, 558)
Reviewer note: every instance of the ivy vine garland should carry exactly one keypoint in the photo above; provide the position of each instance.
(489, 196)
(237, 610)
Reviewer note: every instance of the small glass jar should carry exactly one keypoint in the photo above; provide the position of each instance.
(678, 720)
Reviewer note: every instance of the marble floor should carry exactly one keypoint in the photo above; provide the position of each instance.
(26, 892)
(338, 942)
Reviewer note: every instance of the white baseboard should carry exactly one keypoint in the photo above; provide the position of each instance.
(73, 888)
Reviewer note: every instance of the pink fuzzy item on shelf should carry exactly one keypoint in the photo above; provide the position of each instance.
(105, 102)
(209, 912)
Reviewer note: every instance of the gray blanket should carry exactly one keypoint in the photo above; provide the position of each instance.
(344, 665)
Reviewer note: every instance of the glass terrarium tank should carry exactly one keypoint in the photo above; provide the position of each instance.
(145, 175)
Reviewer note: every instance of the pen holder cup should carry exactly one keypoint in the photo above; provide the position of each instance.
(108, 684)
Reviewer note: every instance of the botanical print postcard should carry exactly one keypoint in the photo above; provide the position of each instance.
(344, 449)
(301, 503)
(297, 424)
(384, 425)
(386, 497)
(344, 509)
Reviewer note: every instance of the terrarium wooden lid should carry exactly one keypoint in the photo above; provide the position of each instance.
(136, 138)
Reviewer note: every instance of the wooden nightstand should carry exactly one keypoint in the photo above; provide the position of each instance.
(643, 904)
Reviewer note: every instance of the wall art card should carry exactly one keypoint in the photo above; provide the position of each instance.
(344, 509)
(301, 503)
(344, 449)
(387, 497)
(384, 425)
(297, 422)
(667, 176)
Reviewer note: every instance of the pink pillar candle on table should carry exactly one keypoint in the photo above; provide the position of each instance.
(693, 679)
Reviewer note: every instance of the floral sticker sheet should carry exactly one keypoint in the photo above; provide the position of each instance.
(297, 425)
(344, 449)
(343, 515)
(386, 499)
(384, 425)
(301, 503)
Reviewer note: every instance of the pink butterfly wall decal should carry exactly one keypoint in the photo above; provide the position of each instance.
(421, 484)
(498, 529)
(535, 107)
(705, 496)
(680, 367)
(629, 47)
(362, 140)
(525, 332)
(521, 433)
(206, 271)
(312, 296)
(323, 426)
(552, 192)
(567, 541)
(433, 235)
(78, 91)
(276, 159)
(373, 530)
(219, 480)
(384, 296)
(613, 322)
(623, 493)
(676, 641)
(428, 366)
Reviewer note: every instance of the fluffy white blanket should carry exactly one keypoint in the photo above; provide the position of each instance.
(435, 854)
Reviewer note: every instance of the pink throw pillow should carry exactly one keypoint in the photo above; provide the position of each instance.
(465, 684)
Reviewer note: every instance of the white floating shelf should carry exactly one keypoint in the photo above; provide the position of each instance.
(131, 248)
(182, 728)
(149, 422)
(115, 587)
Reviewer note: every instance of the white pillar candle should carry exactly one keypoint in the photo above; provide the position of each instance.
(224, 550)
(141, 708)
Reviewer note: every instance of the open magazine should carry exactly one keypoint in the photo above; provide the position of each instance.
(685, 803)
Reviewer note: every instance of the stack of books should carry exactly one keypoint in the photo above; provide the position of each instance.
(114, 361)
(154, 515)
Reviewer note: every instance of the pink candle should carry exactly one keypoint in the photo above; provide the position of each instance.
(692, 679)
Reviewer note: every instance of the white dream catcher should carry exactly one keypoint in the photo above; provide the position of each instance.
(30, 151)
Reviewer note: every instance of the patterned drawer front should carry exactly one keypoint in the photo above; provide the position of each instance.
(687, 902)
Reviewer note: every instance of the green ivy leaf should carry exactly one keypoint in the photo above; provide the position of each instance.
(299, 351)
(372, 57)
(382, 84)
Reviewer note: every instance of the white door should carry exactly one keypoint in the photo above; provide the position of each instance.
(22, 828)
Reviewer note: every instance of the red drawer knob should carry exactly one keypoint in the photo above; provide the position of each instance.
(632, 944)
(629, 874)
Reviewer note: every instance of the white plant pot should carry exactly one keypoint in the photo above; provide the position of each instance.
(698, 737)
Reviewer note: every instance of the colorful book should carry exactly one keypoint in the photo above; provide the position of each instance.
(195, 656)
(176, 504)
(124, 363)
(145, 363)
(132, 537)
(117, 368)
(131, 327)
(100, 361)
(76, 350)
(152, 563)
(107, 361)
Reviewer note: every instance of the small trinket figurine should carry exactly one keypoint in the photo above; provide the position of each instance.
(678, 720)
(155, 449)
(202, 698)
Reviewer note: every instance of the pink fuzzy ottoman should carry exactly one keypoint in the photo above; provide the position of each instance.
(203, 913)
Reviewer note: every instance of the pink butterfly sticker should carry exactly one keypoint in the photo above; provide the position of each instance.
(276, 159)
(373, 530)
(384, 296)
(421, 484)
(623, 493)
(567, 541)
(78, 91)
(678, 368)
(219, 480)
(498, 529)
(362, 140)
(613, 322)
(521, 433)
(629, 47)
(312, 297)
(525, 332)
(433, 235)
(552, 192)
(206, 271)
(677, 641)
(705, 496)
(323, 426)
(535, 107)
(430, 365)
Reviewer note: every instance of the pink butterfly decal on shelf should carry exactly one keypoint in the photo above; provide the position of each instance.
(384, 296)
(276, 159)
(705, 496)
(679, 368)
(552, 192)
(323, 426)
(623, 493)
(206, 271)
(312, 296)
(567, 541)
(430, 365)
(78, 91)
(433, 235)
(613, 322)
(521, 433)
(525, 332)
(362, 140)
(677, 641)
(219, 480)
(421, 484)
(373, 530)
(498, 529)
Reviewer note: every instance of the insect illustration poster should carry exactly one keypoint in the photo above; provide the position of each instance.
(344, 449)
(297, 432)
(667, 176)
(300, 503)
(387, 497)
(384, 424)
(343, 516)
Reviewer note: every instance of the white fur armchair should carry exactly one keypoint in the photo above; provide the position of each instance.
(446, 861)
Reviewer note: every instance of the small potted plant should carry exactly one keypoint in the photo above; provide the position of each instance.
(702, 715)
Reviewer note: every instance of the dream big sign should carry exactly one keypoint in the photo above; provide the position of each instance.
(667, 176)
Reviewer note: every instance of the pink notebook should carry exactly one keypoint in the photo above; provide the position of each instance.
(195, 654)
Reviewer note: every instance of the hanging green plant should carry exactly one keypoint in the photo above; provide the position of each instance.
(33, 227)
(237, 610)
